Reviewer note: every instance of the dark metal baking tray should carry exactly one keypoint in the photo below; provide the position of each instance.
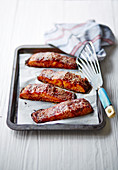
(13, 98)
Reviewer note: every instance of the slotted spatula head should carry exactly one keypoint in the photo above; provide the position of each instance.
(88, 63)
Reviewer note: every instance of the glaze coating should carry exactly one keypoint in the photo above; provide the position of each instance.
(64, 110)
(46, 92)
(51, 60)
(65, 79)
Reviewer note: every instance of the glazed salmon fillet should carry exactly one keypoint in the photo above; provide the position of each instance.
(51, 60)
(66, 80)
(46, 92)
(64, 110)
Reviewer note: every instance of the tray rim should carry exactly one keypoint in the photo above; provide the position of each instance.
(57, 126)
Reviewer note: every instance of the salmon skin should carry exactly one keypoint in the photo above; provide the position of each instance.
(64, 110)
(51, 60)
(46, 92)
(65, 79)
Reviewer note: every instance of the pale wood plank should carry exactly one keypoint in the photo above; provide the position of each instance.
(7, 15)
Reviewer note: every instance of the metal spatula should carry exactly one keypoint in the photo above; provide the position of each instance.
(88, 63)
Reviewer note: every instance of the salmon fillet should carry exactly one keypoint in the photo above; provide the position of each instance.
(51, 60)
(64, 110)
(66, 80)
(45, 92)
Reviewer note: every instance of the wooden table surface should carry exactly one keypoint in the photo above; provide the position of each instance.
(24, 22)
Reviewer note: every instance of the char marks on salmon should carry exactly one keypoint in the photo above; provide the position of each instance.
(64, 110)
(46, 92)
(65, 79)
(51, 60)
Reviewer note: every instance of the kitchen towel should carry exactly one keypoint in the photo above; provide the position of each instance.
(70, 38)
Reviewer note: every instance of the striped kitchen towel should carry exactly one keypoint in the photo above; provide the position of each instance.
(70, 38)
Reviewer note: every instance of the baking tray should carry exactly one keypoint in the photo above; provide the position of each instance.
(14, 95)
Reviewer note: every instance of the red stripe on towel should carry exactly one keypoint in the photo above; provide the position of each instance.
(80, 44)
(108, 41)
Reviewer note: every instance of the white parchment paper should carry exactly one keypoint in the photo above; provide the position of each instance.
(28, 75)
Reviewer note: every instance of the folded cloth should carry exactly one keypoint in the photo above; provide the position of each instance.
(70, 38)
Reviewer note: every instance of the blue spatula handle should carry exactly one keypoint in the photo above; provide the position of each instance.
(106, 102)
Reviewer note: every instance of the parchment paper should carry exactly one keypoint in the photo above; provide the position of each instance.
(28, 75)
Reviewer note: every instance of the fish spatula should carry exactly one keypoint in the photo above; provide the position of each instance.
(88, 63)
